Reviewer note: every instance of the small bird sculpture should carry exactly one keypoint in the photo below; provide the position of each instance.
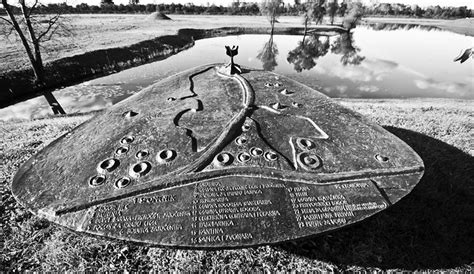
(464, 55)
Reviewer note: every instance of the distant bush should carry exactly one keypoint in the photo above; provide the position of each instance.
(252, 8)
(354, 14)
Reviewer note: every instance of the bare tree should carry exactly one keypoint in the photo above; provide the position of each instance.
(32, 31)
(272, 9)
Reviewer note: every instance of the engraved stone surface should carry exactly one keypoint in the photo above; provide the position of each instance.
(207, 159)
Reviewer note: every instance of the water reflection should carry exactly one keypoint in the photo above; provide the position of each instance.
(361, 64)
(344, 45)
(304, 56)
(268, 55)
(38, 107)
(464, 55)
(314, 46)
(400, 26)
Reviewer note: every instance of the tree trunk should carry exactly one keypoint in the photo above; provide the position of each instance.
(18, 30)
(272, 23)
(53, 103)
(305, 29)
(35, 59)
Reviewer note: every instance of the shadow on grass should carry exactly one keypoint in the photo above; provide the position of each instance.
(432, 227)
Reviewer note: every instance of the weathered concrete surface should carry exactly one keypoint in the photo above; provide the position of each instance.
(207, 160)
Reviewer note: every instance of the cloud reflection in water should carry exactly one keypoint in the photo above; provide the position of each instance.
(364, 63)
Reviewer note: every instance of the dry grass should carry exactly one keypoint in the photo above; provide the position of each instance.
(101, 31)
(429, 229)
(461, 26)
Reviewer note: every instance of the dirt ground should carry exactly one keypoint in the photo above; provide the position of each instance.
(431, 228)
(101, 31)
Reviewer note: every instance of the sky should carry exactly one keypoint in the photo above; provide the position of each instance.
(421, 3)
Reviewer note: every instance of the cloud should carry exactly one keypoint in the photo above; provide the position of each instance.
(369, 88)
(450, 87)
(369, 70)
(341, 88)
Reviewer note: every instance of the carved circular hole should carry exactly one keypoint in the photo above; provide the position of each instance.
(244, 157)
(309, 161)
(141, 154)
(245, 127)
(268, 85)
(166, 155)
(271, 156)
(296, 105)
(121, 151)
(278, 84)
(97, 180)
(256, 151)
(129, 114)
(223, 159)
(127, 140)
(305, 144)
(140, 169)
(381, 158)
(241, 140)
(108, 165)
(123, 182)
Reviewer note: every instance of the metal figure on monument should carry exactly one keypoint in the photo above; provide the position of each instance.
(233, 67)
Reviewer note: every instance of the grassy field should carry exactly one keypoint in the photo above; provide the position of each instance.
(429, 229)
(101, 31)
(461, 26)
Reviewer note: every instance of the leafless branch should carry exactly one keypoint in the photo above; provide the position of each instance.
(12, 29)
(6, 20)
(32, 8)
(51, 23)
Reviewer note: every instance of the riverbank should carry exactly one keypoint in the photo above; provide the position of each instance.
(19, 85)
(119, 42)
(102, 31)
(93, 32)
(461, 26)
(429, 229)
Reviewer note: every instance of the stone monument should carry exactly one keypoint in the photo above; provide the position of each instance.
(210, 159)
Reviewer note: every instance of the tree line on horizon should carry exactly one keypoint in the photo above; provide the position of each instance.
(23, 23)
(252, 8)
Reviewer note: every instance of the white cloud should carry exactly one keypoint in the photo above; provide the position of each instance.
(341, 88)
(368, 71)
(450, 87)
(369, 88)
